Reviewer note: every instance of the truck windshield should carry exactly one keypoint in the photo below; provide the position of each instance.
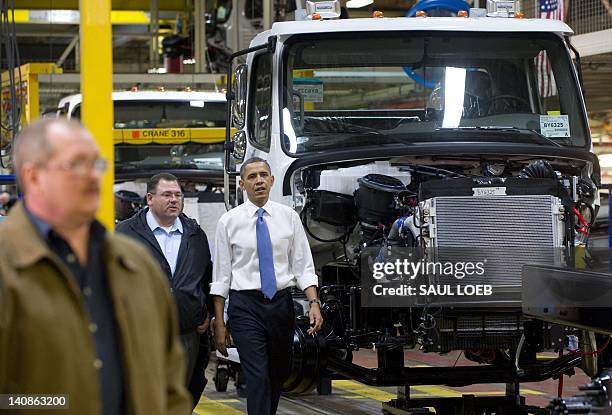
(408, 87)
(190, 156)
(165, 114)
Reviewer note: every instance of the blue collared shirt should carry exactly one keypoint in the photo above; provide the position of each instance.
(169, 239)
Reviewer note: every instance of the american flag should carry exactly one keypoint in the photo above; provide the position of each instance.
(552, 9)
(549, 9)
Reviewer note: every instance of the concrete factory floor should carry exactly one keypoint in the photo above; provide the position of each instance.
(352, 398)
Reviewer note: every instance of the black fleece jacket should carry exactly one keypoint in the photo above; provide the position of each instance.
(193, 273)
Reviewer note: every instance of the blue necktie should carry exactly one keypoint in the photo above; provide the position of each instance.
(266, 259)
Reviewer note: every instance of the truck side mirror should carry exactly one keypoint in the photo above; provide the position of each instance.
(239, 146)
(239, 87)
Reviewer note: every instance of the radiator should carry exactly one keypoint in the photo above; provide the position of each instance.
(509, 231)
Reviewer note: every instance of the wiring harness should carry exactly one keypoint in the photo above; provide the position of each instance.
(10, 110)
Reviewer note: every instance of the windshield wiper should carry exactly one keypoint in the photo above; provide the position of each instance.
(336, 140)
(158, 166)
(496, 128)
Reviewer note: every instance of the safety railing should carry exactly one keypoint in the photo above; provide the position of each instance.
(586, 16)
(583, 16)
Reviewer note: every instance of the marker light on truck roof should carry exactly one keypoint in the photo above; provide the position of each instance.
(502, 8)
(421, 13)
(377, 14)
(327, 9)
(462, 13)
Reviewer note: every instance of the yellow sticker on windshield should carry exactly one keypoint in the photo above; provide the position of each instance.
(553, 112)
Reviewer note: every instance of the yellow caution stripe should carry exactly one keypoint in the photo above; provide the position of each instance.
(208, 406)
(358, 390)
(169, 135)
(362, 390)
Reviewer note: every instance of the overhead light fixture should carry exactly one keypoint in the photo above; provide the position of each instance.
(157, 70)
(357, 4)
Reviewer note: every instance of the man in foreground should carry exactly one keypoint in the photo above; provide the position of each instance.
(83, 313)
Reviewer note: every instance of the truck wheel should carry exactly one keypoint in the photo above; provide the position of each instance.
(221, 379)
(308, 360)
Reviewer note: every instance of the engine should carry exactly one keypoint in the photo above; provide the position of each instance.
(510, 213)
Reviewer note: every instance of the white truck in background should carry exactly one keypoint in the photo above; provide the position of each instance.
(181, 132)
(424, 133)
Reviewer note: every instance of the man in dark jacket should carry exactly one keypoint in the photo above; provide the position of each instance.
(181, 247)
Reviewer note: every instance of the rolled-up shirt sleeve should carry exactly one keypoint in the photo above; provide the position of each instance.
(222, 264)
(301, 264)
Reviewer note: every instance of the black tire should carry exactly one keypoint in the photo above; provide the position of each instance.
(221, 379)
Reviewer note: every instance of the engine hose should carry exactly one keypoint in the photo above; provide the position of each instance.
(598, 351)
(584, 229)
(592, 214)
(395, 233)
(538, 169)
(587, 206)
(342, 238)
(581, 218)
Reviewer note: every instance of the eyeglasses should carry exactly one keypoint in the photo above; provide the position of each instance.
(170, 195)
(80, 167)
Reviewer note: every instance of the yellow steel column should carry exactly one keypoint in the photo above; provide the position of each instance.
(27, 85)
(97, 89)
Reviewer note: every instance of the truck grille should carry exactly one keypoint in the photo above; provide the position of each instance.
(508, 231)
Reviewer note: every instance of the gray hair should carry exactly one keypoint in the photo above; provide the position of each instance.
(32, 145)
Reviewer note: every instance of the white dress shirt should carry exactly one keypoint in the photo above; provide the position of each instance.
(168, 238)
(236, 264)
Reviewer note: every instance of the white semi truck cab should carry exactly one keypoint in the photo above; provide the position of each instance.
(422, 134)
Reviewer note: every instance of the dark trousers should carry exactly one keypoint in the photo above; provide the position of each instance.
(191, 345)
(198, 377)
(263, 332)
